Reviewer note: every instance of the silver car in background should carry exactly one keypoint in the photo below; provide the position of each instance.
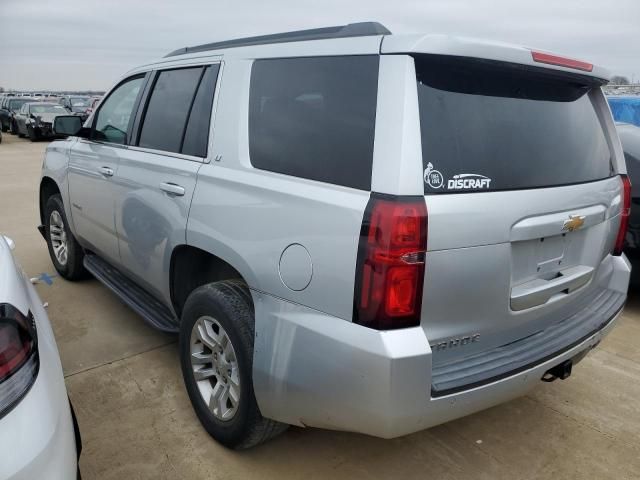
(351, 229)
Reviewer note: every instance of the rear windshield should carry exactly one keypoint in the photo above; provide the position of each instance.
(489, 126)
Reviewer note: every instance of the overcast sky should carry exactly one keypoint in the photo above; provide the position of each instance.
(88, 44)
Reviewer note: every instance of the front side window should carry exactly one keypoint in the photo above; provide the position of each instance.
(112, 120)
(314, 117)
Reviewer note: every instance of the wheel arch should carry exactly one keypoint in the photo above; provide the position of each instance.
(192, 267)
(48, 188)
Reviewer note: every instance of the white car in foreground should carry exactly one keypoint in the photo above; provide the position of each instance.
(39, 437)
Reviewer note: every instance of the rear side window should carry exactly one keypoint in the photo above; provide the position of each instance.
(315, 118)
(491, 126)
(178, 111)
(168, 109)
(196, 137)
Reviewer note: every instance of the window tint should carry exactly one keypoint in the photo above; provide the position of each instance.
(196, 136)
(491, 126)
(112, 121)
(315, 117)
(168, 109)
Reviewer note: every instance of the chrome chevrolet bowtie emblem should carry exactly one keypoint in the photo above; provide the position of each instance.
(574, 223)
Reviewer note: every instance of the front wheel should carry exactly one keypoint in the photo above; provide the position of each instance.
(65, 251)
(33, 135)
(216, 355)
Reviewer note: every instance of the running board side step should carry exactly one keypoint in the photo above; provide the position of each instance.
(147, 306)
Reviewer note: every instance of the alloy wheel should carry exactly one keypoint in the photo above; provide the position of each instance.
(58, 237)
(215, 368)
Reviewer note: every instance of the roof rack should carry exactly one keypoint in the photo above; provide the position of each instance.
(360, 29)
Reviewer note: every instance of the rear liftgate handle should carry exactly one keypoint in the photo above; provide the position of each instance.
(539, 291)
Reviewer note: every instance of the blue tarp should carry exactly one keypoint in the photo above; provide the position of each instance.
(625, 109)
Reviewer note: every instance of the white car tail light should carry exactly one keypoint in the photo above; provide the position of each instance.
(19, 361)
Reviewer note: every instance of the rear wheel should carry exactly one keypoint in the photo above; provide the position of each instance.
(216, 355)
(65, 251)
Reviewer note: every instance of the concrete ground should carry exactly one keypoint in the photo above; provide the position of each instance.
(137, 423)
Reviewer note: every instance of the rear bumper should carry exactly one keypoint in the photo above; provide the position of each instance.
(311, 369)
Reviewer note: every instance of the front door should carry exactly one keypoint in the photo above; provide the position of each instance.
(93, 167)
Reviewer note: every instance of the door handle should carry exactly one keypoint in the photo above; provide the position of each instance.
(106, 171)
(172, 189)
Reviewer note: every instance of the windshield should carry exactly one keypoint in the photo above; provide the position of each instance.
(37, 109)
(490, 126)
(16, 104)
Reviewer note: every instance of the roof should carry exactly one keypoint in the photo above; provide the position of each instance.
(362, 29)
(367, 38)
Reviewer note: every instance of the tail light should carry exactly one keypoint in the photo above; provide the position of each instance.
(390, 266)
(624, 215)
(18, 356)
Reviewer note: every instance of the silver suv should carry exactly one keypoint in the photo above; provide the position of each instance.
(351, 229)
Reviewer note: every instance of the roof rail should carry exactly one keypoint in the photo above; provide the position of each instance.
(360, 29)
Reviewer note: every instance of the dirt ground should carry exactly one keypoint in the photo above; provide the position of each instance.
(137, 423)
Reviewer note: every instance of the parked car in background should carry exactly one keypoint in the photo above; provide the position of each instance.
(625, 109)
(76, 104)
(630, 138)
(8, 108)
(93, 104)
(274, 212)
(39, 435)
(35, 119)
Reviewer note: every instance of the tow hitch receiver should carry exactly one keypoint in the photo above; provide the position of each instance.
(562, 371)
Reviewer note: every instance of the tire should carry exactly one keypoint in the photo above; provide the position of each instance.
(33, 135)
(227, 303)
(70, 267)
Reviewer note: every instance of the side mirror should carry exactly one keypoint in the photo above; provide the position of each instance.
(69, 126)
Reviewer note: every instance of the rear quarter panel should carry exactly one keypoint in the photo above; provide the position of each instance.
(248, 217)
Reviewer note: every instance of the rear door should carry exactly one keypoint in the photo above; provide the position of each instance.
(157, 173)
(522, 196)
